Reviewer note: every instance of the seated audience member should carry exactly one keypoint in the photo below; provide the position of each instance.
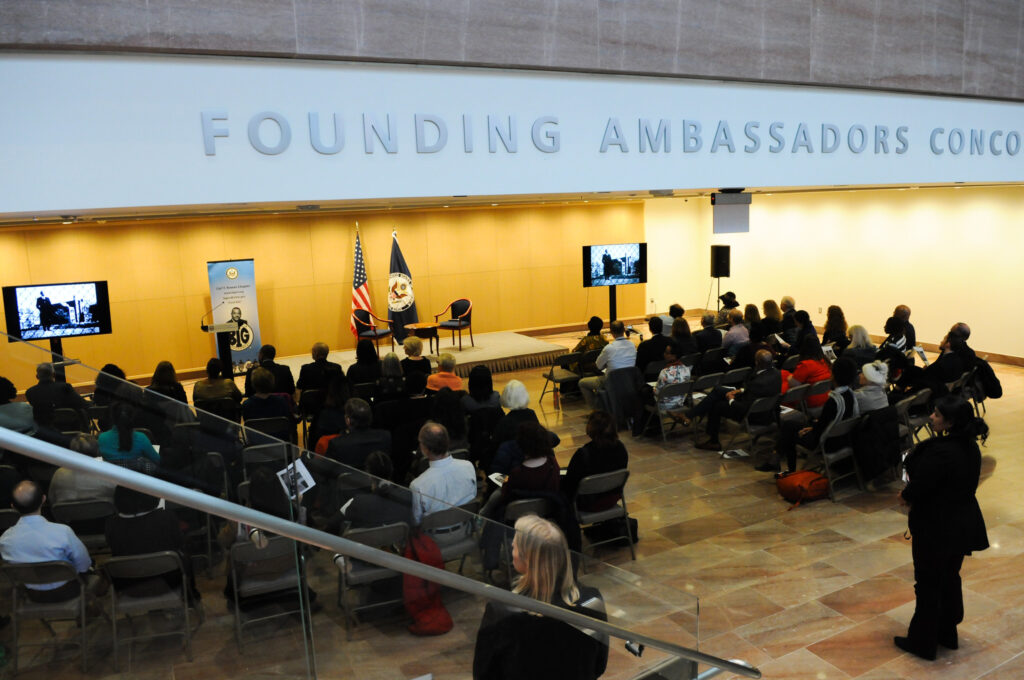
(861, 350)
(835, 329)
(48, 395)
(812, 368)
(905, 378)
(318, 374)
(366, 369)
(481, 390)
(603, 453)
(894, 332)
(379, 502)
(902, 312)
(35, 539)
(445, 376)
(840, 404)
(729, 303)
(764, 381)
(165, 382)
(331, 418)
(414, 360)
(69, 485)
(353, 447)
(772, 318)
(512, 643)
(447, 482)
(751, 315)
(108, 381)
(788, 306)
(675, 311)
(652, 349)
(954, 358)
(594, 339)
(619, 353)
(266, 400)
(516, 400)
(804, 329)
(15, 415)
(140, 527)
(758, 341)
(681, 334)
(871, 395)
(447, 410)
(708, 337)
(214, 386)
(534, 470)
(674, 373)
(391, 384)
(737, 335)
(122, 445)
(284, 382)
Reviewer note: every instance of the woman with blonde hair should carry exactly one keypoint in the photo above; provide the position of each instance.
(860, 349)
(513, 643)
(772, 319)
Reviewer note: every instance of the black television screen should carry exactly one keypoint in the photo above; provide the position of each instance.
(615, 264)
(56, 310)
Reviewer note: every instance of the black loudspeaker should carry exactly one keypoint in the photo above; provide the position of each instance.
(719, 261)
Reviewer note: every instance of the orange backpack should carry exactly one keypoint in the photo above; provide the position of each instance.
(802, 485)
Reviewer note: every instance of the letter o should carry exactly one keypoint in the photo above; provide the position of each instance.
(958, 146)
(1013, 142)
(254, 133)
(857, 148)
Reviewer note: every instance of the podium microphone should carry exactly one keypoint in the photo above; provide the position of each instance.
(202, 325)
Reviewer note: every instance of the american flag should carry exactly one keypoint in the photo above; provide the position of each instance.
(360, 288)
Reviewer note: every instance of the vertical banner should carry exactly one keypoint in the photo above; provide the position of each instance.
(233, 298)
(401, 301)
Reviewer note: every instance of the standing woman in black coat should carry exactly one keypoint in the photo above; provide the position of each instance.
(945, 523)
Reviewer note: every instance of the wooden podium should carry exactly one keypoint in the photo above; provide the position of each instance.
(223, 332)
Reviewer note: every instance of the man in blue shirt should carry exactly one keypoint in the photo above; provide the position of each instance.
(619, 353)
(36, 539)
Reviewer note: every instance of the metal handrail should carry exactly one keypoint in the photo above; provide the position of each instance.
(56, 455)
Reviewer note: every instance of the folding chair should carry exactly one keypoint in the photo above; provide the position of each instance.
(817, 388)
(843, 428)
(69, 421)
(560, 373)
(311, 402)
(603, 483)
(541, 507)
(353, 573)
(261, 571)
(653, 370)
(22, 607)
(919, 421)
(763, 409)
(76, 514)
(620, 394)
(702, 387)
(463, 516)
(660, 410)
(279, 428)
(735, 377)
(796, 397)
(790, 363)
(131, 599)
(274, 456)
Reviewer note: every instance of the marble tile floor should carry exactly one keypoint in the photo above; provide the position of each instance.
(813, 592)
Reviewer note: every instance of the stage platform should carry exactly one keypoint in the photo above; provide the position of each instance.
(500, 352)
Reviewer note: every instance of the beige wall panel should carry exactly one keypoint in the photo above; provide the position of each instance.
(520, 266)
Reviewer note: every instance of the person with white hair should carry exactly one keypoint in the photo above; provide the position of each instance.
(874, 378)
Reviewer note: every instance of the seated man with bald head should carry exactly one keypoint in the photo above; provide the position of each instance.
(36, 539)
(318, 375)
(764, 381)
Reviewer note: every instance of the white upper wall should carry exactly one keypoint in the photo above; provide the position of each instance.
(114, 131)
(950, 254)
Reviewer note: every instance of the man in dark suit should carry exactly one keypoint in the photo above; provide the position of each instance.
(652, 349)
(765, 381)
(284, 383)
(352, 449)
(317, 375)
(708, 337)
(49, 395)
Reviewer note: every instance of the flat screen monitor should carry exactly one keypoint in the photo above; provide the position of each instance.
(56, 310)
(616, 264)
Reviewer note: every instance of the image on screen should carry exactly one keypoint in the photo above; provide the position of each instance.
(57, 310)
(617, 264)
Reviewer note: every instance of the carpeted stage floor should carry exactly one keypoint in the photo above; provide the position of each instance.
(501, 352)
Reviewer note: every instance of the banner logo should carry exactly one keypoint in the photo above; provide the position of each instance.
(400, 295)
